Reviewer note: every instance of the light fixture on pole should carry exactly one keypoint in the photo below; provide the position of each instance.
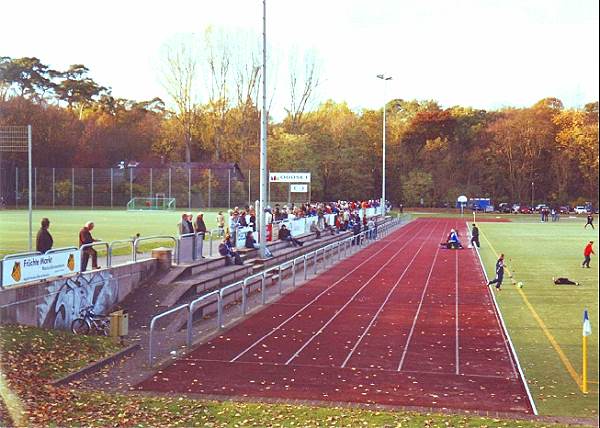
(383, 204)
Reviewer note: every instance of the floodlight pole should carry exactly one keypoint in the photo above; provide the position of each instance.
(263, 142)
(383, 205)
(30, 200)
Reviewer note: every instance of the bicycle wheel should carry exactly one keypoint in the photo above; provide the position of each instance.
(104, 328)
(80, 326)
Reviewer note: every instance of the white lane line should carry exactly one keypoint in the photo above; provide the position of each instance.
(385, 301)
(412, 329)
(339, 311)
(312, 301)
(456, 315)
(331, 367)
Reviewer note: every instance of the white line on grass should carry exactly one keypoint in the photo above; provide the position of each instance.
(311, 302)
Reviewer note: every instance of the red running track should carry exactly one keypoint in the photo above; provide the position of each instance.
(403, 322)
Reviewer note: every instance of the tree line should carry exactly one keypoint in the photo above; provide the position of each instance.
(433, 153)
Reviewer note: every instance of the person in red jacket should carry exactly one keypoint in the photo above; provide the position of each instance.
(587, 252)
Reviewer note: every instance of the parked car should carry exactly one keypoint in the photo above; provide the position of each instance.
(565, 209)
(524, 209)
(580, 209)
(516, 208)
(540, 207)
(504, 208)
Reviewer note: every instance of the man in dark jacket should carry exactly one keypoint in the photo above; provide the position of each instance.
(475, 236)
(44, 241)
(85, 237)
(285, 235)
(499, 273)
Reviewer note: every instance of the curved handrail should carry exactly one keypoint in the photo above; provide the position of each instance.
(120, 241)
(98, 243)
(153, 321)
(17, 255)
(153, 237)
(58, 250)
(191, 312)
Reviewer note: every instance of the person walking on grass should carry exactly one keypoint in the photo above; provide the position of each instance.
(44, 241)
(590, 221)
(499, 273)
(587, 254)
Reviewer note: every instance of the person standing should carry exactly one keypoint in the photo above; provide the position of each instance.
(185, 226)
(44, 241)
(200, 226)
(587, 253)
(85, 237)
(221, 223)
(475, 236)
(499, 273)
(590, 221)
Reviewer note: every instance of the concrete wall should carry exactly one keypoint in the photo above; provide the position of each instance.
(55, 303)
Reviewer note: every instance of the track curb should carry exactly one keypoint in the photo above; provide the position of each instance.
(97, 365)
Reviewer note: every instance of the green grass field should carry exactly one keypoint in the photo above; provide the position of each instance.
(109, 225)
(535, 253)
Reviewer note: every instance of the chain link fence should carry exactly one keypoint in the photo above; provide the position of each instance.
(114, 187)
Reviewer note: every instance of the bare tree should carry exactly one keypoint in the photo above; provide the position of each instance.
(304, 80)
(179, 80)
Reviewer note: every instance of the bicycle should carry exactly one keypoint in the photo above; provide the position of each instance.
(89, 321)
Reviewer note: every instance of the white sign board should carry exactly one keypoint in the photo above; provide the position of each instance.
(289, 177)
(240, 236)
(299, 188)
(462, 199)
(33, 268)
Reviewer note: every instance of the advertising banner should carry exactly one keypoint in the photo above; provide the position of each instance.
(289, 177)
(240, 239)
(298, 226)
(33, 268)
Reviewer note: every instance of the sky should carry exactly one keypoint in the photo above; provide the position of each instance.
(480, 53)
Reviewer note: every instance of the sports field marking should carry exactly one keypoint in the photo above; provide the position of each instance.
(385, 301)
(391, 241)
(412, 329)
(457, 362)
(565, 360)
(339, 311)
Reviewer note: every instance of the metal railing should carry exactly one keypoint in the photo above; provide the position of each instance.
(333, 250)
(104, 244)
(153, 322)
(156, 237)
(120, 241)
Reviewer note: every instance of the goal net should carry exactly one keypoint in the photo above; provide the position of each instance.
(152, 204)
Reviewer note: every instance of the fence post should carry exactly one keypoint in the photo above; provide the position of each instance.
(53, 187)
(279, 280)
(130, 184)
(229, 188)
(244, 297)
(170, 183)
(35, 186)
(92, 194)
(16, 186)
(294, 273)
(249, 194)
(150, 183)
(304, 261)
(111, 187)
(263, 290)
(73, 187)
(316, 261)
(209, 190)
(220, 309)
(189, 187)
